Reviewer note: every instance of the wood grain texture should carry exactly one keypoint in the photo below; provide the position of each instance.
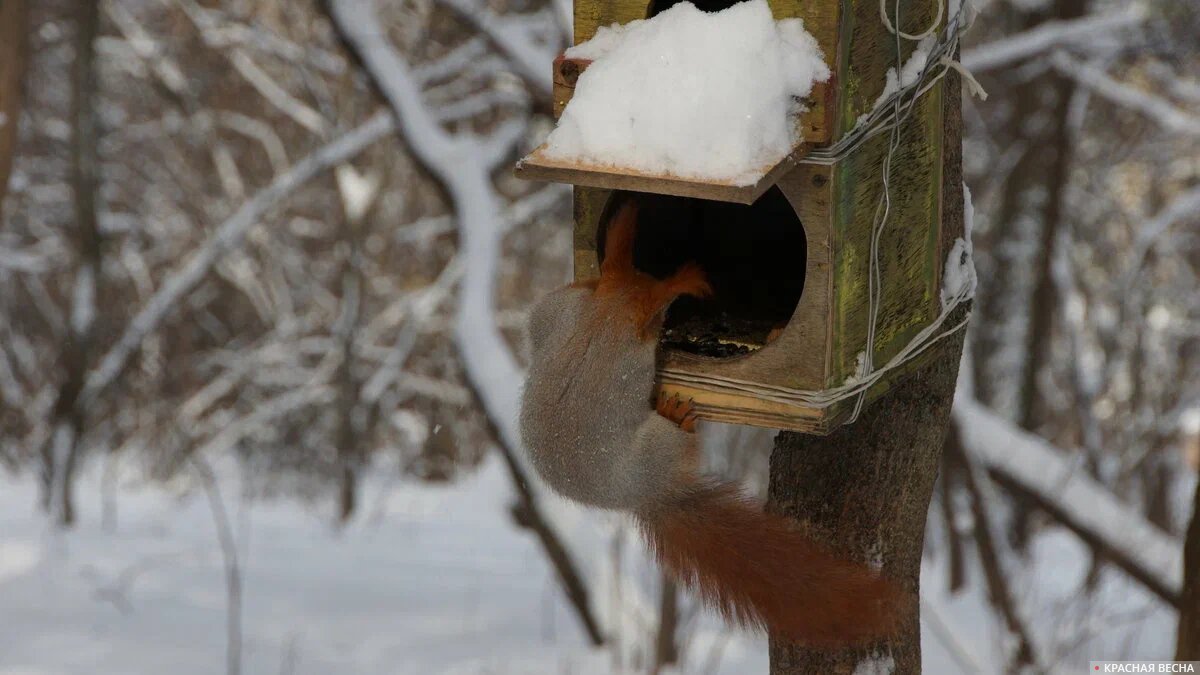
(909, 249)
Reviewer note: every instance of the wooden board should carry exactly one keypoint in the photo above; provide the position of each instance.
(536, 166)
(910, 251)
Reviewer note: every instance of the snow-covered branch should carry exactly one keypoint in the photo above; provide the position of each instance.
(228, 235)
(1151, 232)
(453, 62)
(1047, 36)
(1158, 109)
(276, 95)
(464, 164)
(1028, 463)
(514, 36)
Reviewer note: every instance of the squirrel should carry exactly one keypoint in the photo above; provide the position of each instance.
(597, 435)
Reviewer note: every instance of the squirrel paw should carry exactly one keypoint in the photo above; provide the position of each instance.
(677, 410)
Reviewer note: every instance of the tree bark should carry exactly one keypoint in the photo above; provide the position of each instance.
(864, 490)
(1187, 643)
(14, 27)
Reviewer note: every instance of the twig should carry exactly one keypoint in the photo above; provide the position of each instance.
(228, 236)
(452, 62)
(233, 575)
(1149, 235)
(276, 95)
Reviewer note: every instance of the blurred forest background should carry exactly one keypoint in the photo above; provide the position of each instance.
(265, 272)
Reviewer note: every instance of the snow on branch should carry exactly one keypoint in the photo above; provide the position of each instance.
(514, 36)
(1101, 83)
(1047, 36)
(1030, 465)
(464, 163)
(1151, 233)
(228, 236)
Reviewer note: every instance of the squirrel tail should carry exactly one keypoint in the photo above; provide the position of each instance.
(758, 571)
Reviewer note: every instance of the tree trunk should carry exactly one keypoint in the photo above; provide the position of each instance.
(864, 490)
(1187, 644)
(14, 27)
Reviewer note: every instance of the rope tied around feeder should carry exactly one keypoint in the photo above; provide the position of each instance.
(886, 116)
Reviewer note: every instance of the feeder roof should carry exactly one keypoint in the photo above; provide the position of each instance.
(536, 166)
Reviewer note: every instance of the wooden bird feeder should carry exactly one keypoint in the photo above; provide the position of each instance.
(788, 256)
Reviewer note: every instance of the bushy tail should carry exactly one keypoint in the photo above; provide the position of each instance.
(758, 571)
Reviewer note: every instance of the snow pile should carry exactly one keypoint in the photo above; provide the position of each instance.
(910, 72)
(691, 94)
(959, 275)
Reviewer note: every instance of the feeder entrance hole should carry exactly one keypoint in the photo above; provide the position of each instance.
(754, 256)
(657, 6)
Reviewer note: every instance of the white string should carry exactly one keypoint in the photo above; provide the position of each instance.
(889, 116)
(920, 36)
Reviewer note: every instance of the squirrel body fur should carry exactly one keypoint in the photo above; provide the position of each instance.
(594, 436)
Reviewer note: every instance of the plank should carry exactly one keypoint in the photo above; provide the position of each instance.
(536, 166)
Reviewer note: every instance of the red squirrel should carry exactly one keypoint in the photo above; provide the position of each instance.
(596, 434)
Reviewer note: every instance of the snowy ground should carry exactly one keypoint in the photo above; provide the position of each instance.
(429, 580)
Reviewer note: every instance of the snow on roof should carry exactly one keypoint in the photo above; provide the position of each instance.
(691, 94)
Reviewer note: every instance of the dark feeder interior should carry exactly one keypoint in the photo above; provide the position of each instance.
(754, 256)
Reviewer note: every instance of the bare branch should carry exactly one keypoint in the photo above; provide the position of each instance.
(276, 95)
(1150, 233)
(233, 574)
(145, 46)
(228, 236)
(260, 131)
(479, 103)
(453, 62)
(218, 32)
